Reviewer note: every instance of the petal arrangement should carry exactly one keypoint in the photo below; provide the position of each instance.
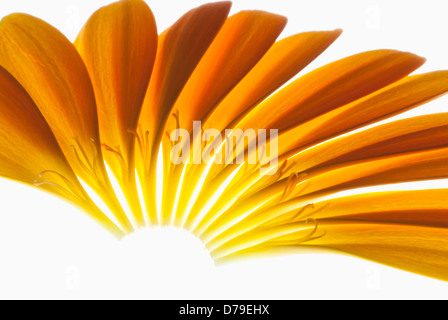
(71, 111)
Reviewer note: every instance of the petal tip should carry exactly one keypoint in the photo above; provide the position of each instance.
(338, 31)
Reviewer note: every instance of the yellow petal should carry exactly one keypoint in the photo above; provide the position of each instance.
(118, 45)
(402, 151)
(50, 69)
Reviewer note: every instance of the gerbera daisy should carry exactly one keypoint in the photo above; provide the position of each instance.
(114, 97)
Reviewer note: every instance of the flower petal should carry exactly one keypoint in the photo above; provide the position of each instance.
(283, 61)
(419, 207)
(118, 45)
(394, 228)
(407, 135)
(421, 250)
(330, 87)
(241, 43)
(50, 69)
(29, 152)
(423, 165)
(181, 47)
(24, 132)
(401, 151)
(401, 96)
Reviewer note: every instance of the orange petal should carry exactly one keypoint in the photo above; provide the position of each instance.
(421, 250)
(241, 43)
(420, 207)
(181, 47)
(118, 45)
(282, 62)
(422, 165)
(50, 69)
(27, 145)
(402, 151)
(52, 72)
(401, 96)
(29, 152)
(408, 135)
(418, 249)
(330, 87)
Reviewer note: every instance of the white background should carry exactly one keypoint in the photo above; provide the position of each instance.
(49, 249)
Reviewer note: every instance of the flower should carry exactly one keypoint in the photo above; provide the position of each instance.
(113, 98)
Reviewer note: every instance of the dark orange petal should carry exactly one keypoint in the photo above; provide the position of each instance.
(401, 96)
(408, 135)
(330, 87)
